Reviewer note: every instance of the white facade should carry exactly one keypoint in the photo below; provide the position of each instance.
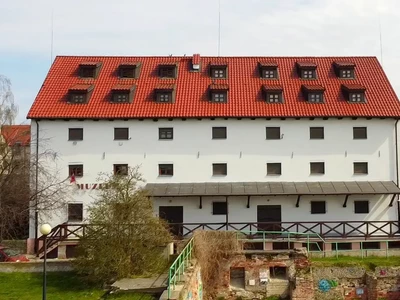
(246, 151)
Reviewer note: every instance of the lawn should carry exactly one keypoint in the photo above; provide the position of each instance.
(370, 263)
(60, 286)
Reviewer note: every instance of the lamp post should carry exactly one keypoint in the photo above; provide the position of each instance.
(45, 229)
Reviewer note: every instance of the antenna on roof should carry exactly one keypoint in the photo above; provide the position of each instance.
(380, 35)
(52, 36)
(219, 27)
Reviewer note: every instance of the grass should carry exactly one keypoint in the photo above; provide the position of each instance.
(370, 263)
(60, 286)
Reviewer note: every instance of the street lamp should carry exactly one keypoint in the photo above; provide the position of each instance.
(45, 229)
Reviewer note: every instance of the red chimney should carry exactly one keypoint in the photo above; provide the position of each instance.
(196, 62)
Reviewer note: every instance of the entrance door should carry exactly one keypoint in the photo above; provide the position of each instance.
(174, 216)
(271, 214)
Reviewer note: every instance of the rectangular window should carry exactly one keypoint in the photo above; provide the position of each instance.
(346, 73)
(120, 97)
(87, 71)
(127, 71)
(220, 169)
(166, 169)
(315, 97)
(370, 245)
(165, 133)
(361, 207)
(220, 208)
(317, 133)
(317, 168)
(75, 134)
(78, 97)
(341, 246)
(269, 73)
(219, 97)
(318, 207)
(274, 97)
(308, 74)
(164, 97)
(121, 169)
(167, 71)
(121, 133)
(360, 168)
(274, 169)
(76, 170)
(75, 212)
(356, 97)
(218, 133)
(273, 133)
(218, 72)
(359, 133)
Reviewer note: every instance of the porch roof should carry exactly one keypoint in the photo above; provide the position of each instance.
(272, 188)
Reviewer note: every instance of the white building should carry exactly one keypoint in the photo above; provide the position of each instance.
(296, 144)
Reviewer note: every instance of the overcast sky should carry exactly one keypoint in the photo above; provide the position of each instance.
(178, 27)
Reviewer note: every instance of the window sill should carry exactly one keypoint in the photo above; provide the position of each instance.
(75, 140)
(360, 174)
(219, 175)
(122, 139)
(75, 221)
(165, 175)
(317, 174)
(274, 175)
(165, 139)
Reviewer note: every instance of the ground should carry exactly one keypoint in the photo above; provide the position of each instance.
(60, 286)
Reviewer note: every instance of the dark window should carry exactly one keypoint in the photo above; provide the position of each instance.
(119, 97)
(269, 73)
(359, 133)
(371, 245)
(219, 97)
(121, 133)
(277, 272)
(75, 134)
(394, 245)
(273, 133)
(220, 169)
(164, 97)
(317, 133)
(121, 169)
(75, 212)
(218, 72)
(308, 74)
(219, 208)
(167, 71)
(218, 133)
(346, 73)
(274, 169)
(317, 168)
(127, 71)
(314, 246)
(165, 133)
(274, 97)
(356, 97)
(78, 97)
(88, 71)
(166, 169)
(76, 170)
(341, 246)
(360, 168)
(318, 207)
(361, 207)
(315, 97)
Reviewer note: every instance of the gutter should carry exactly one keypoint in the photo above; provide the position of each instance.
(36, 248)
(397, 170)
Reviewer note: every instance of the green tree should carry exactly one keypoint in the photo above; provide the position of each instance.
(124, 238)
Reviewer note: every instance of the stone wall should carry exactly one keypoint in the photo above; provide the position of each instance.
(36, 266)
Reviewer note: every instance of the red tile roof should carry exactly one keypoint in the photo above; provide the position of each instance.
(123, 87)
(16, 134)
(270, 87)
(268, 64)
(245, 99)
(344, 64)
(313, 87)
(165, 86)
(353, 87)
(306, 64)
(81, 87)
(219, 87)
(196, 59)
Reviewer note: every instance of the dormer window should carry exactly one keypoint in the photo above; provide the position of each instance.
(89, 69)
(273, 94)
(80, 93)
(219, 93)
(307, 70)
(129, 70)
(218, 70)
(344, 69)
(167, 71)
(313, 93)
(354, 93)
(122, 93)
(268, 70)
(165, 94)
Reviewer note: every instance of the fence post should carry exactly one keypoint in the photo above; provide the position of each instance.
(362, 250)
(337, 253)
(387, 249)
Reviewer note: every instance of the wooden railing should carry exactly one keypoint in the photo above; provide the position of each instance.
(332, 229)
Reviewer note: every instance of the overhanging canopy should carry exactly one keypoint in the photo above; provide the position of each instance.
(272, 188)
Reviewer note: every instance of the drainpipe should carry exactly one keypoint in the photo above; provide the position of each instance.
(36, 248)
(397, 170)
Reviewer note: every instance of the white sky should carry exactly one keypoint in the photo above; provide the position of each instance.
(163, 27)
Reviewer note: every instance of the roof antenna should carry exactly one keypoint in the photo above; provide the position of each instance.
(380, 35)
(219, 27)
(52, 36)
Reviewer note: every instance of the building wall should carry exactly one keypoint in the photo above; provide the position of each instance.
(246, 152)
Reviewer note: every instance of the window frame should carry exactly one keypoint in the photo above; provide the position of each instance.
(343, 70)
(222, 172)
(219, 208)
(214, 97)
(315, 133)
(274, 94)
(361, 131)
(116, 94)
(122, 166)
(360, 94)
(317, 165)
(318, 210)
(167, 71)
(313, 73)
(70, 135)
(274, 71)
(165, 170)
(271, 167)
(162, 94)
(72, 217)
(224, 70)
(127, 70)
(81, 94)
(74, 168)
(359, 208)
(165, 131)
(316, 95)
(126, 130)
(359, 164)
(272, 135)
(219, 130)
(84, 71)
